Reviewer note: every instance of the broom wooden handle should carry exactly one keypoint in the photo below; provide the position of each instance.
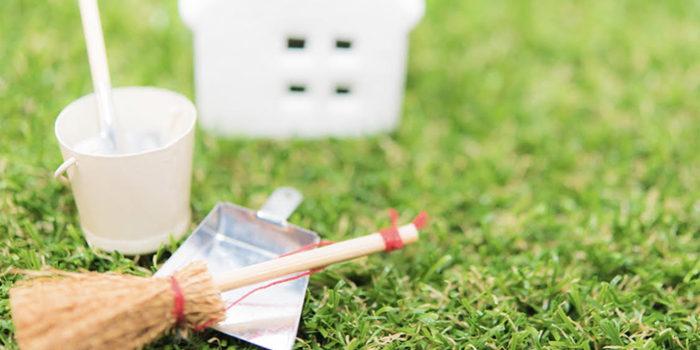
(310, 260)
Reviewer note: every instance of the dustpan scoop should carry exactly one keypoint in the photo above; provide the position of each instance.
(147, 308)
(232, 237)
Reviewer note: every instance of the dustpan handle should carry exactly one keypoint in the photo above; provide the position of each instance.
(310, 260)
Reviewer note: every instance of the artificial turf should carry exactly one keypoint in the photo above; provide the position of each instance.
(555, 144)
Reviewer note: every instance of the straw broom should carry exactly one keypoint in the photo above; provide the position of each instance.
(103, 311)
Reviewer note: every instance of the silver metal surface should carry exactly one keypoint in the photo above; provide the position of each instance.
(232, 237)
(281, 204)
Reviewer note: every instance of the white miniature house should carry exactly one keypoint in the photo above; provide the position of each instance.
(300, 68)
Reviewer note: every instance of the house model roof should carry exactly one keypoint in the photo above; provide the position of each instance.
(300, 68)
(406, 12)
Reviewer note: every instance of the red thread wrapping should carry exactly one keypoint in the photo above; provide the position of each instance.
(392, 241)
(307, 247)
(296, 277)
(420, 220)
(205, 325)
(179, 308)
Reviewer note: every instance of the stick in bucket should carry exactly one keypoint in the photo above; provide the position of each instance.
(103, 311)
(111, 139)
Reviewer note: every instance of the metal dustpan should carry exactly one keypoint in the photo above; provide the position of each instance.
(232, 237)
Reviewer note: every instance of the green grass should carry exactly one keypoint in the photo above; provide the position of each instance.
(555, 144)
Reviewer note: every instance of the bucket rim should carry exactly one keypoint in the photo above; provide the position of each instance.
(188, 131)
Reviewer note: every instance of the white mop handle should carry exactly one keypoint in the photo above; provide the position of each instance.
(99, 68)
(312, 259)
(97, 55)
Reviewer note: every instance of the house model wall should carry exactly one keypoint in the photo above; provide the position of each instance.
(300, 68)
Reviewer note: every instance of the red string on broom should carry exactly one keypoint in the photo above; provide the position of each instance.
(179, 308)
(50, 310)
(392, 241)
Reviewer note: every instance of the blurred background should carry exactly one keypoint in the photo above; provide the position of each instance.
(553, 142)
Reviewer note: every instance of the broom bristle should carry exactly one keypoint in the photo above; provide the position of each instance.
(102, 311)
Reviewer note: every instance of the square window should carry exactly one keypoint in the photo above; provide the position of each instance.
(343, 44)
(296, 43)
(342, 90)
(297, 88)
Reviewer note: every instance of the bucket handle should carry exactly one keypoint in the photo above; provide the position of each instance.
(58, 175)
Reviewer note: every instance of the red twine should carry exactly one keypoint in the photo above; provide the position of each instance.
(205, 325)
(392, 241)
(179, 308)
(391, 236)
(420, 220)
(307, 247)
(274, 284)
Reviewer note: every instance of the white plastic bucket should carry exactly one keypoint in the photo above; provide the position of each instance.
(131, 202)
